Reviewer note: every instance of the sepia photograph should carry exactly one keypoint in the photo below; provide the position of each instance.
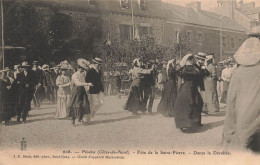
(130, 82)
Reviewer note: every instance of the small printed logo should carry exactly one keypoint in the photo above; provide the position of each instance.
(23, 144)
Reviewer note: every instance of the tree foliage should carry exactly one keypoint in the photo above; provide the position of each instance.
(22, 29)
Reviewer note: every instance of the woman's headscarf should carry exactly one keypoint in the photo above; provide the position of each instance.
(184, 60)
(249, 52)
(168, 65)
(136, 62)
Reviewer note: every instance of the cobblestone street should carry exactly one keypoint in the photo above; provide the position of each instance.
(112, 127)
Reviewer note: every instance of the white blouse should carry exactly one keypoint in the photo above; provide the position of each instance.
(78, 79)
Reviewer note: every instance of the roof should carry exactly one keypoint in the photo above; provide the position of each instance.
(203, 18)
(154, 7)
(251, 11)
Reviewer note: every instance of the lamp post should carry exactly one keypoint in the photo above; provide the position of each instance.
(221, 39)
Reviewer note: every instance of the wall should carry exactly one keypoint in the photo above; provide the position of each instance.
(210, 39)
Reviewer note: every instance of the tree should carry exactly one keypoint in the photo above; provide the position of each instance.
(22, 29)
(145, 48)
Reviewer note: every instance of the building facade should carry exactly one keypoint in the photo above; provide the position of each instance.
(94, 21)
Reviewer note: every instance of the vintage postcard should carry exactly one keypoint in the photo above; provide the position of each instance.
(130, 82)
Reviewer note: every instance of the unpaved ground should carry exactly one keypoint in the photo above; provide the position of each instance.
(112, 127)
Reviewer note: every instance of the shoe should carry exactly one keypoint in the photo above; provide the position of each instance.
(80, 121)
(73, 122)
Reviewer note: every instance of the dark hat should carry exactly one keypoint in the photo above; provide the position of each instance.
(35, 62)
(97, 60)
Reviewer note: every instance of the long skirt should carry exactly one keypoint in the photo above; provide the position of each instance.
(224, 92)
(62, 103)
(188, 106)
(210, 98)
(134, 101)
(166, 105)
(79, 103)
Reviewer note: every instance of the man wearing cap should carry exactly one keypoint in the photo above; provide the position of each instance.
(25, 81)
(96, 91)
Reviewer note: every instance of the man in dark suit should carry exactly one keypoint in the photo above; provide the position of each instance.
(38, 82)
(96, 91)
(25, 85)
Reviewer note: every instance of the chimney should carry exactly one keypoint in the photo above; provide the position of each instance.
(195, 6)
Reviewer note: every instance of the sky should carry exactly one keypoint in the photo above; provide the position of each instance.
(207, 4)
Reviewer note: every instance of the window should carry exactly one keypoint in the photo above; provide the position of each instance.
(126, 32)
(200, 38)
(125, 4)
(143, 5)
(143, 30)
(189, 35)
(232, 42)
(92, 2)
(224, 42)
(240, 42)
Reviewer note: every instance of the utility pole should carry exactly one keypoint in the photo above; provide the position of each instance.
(2, 39)
(133, 18)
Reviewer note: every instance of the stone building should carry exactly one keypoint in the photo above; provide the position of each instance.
(205, 31)
(245, 14)
(94, 21)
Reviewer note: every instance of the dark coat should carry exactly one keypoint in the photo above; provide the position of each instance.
(189, 103)
(94, 77)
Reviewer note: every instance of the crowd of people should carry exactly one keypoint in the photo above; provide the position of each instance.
(189, 88)
(76, 92)
(197, 85)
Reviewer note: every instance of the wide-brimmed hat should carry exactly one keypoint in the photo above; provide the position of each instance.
(201, 55)
(16, 66)
(25, 64)
(97, 60)
(83, 63)
(64, 65)
(7, 69)
(249, 52)
(45, 67)
(209, 57)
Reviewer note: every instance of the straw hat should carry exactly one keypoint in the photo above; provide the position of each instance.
(25, 64)
(97, 60)
(7, 69)
(16, 67)
(83, 63)
(201, 55)
(45, 67)
(249, 52)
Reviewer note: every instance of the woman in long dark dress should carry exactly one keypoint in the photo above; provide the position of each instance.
(189, 103)
(166, 105)
(5, 86)
(79, 103)
(133, 103)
